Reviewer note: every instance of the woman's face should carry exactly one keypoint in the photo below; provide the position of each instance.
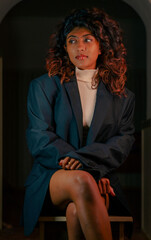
(82, 47)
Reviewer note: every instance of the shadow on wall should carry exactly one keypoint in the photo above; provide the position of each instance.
(24, 43)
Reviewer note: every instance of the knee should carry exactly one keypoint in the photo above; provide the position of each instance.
(71, 211)
(84, 185)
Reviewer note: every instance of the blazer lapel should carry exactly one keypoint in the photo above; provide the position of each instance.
(103, 99)
(73, 93)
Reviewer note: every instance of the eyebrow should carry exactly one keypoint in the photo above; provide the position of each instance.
(77, 37)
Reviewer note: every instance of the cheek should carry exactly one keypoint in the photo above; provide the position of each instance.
(96, 52)
(71, 55)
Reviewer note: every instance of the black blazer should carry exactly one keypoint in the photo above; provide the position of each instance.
(55, 130)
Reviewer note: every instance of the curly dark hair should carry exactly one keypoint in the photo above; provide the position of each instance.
(111, 63)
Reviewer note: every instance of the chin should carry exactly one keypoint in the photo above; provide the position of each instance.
(82, 67)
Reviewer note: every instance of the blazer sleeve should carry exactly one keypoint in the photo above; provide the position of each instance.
(109, 155)
(44, 145)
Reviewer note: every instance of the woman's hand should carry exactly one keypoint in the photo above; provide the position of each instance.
(105, 187)
(70, 163)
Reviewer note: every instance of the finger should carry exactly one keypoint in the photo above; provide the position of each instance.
(108, 185)
(65, 162)
(60, 163)
(103, 184)
(79, 166)
(61, 160)
(100, 187)
(70, 163)
(74, 165)
(112, 192)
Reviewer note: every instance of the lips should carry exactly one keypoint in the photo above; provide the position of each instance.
(81, 57)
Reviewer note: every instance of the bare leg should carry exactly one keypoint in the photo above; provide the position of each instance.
(73, 224)
(80, 187)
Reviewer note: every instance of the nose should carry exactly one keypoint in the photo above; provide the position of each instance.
(81, 46)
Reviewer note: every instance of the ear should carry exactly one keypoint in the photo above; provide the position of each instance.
(99, 51)
(65, 47)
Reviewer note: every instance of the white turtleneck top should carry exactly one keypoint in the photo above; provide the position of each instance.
(87, 93)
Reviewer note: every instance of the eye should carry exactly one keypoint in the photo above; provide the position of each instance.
(72, 41)
(88, 40)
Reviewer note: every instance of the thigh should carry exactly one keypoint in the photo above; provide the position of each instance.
(65, 186)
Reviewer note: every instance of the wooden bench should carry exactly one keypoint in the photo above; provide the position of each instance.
(113, 219)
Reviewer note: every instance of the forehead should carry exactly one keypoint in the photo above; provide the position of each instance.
(79, 31)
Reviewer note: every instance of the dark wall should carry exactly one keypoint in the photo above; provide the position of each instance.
(24, 41)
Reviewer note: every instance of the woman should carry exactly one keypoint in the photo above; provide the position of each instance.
(80, 126)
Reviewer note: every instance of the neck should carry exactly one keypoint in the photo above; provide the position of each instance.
(86, 75)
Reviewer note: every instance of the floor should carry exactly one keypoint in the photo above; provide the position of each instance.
(13, 201)
(16, 233)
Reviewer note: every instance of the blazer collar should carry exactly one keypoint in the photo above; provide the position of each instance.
(103, 99)
(74, 96)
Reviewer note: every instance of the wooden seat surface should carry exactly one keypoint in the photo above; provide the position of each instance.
(113, 219)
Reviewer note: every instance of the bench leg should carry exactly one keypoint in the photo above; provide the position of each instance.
(121, 231)
(42, 230)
